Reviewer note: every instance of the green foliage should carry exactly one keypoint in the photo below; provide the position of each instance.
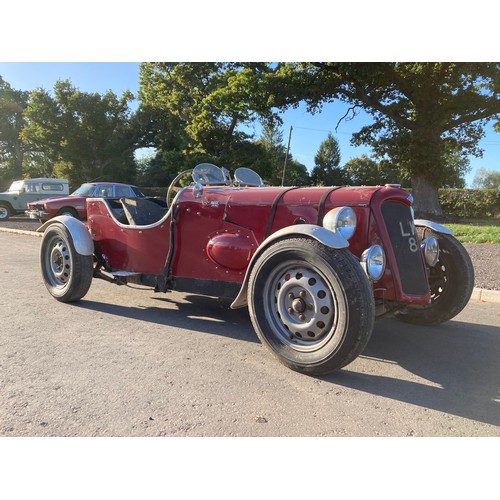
(486, 179)
(296, 174)
(87, 136)
(327, 171)
(425, 114)
(471, 203)
(364, 171)
(204, 103)
(273, 160)
(12, 105)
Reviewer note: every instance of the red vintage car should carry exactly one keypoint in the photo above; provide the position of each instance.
(75, 204)
(315, 265)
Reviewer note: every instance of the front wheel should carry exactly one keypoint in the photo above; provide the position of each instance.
(311, 305)
(451, 282)
(66, 274)
(70, 212)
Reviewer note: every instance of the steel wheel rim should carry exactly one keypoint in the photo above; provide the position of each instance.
(438, 280)
(58, 262)
(3, 213)
(300, 304)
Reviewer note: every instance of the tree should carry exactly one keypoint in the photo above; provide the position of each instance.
(12, 105)
(422, 111)
(204, 103)
(327, 171)
(296, 173)
(486, 179)
(79, 135)
(273, 159)
(364, 171)
(271, 162)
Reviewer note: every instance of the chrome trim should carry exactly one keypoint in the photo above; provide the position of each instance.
(365, 261)
(425, 246)
(433, 225)
(331, 220)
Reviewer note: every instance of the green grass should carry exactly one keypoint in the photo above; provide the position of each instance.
(477, 231)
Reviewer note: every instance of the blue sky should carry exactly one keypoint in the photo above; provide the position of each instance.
(308, 130)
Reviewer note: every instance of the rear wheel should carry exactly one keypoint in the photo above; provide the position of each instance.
(451, 282)
(4, 212)
(66, 274)
(311, 305)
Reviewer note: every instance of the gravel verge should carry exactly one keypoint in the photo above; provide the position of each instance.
(485, 257)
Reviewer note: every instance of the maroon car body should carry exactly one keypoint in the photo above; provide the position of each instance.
(75, 204)
(315, 265)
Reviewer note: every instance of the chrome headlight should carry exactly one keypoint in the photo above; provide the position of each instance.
(430, 247)
(341, 220)
(373, 261)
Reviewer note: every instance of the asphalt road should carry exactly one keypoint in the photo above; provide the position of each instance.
(129, 362)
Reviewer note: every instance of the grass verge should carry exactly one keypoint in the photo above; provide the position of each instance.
(477, 231)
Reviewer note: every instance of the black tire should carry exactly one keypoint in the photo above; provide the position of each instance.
(4, 212)
(71, 212)
(66, 274)
(451, 282)
(311, 305)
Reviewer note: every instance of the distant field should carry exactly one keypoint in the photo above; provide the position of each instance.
(477, 231)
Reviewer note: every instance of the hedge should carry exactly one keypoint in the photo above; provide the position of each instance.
(468, 203)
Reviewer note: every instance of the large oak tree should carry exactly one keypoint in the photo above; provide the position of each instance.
(421, 111)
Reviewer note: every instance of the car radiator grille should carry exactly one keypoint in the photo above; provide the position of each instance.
(399, 222)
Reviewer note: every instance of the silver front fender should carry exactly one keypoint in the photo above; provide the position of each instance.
(79, 232)
(319, 233)
(432, 225)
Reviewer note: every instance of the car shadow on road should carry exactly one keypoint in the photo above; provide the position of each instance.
(454, 368)
(195, 312)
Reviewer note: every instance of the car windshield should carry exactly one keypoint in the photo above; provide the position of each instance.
(84, 190)
(16, 186)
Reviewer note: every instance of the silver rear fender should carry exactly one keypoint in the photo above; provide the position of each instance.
(79, 232)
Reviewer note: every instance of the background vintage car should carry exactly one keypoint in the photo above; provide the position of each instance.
(22, 192)
(75, 204)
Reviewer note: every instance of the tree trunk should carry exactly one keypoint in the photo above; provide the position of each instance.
(426, 198)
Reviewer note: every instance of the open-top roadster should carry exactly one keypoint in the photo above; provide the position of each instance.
(315, 265)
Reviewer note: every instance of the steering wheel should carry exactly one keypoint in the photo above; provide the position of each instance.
(173, 189)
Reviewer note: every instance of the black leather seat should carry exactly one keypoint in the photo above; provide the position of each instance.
(141, 211)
